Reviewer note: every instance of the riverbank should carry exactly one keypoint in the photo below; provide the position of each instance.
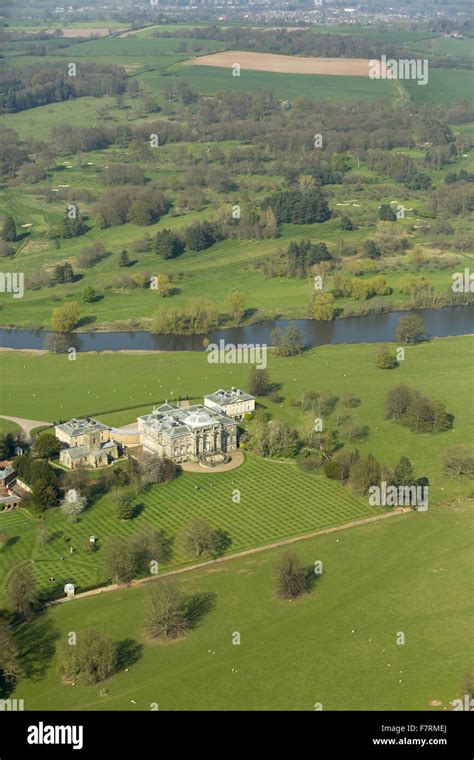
(450, 321)
(257, 318)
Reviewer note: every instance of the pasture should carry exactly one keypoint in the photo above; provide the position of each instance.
(337, 645)
(39, 121)
(444, 86)
(210, 80)
(137, 47)
(436, 46)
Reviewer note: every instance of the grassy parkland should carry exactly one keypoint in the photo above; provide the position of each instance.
(154, 68)
(228, 265)
(109, 384)
(277, 501)
(336, 645)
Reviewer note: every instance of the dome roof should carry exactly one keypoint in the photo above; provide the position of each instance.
(199, 419)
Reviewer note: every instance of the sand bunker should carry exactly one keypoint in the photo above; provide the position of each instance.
(284, 64)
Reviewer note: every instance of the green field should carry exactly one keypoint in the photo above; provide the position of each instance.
(209, 80)
(408, 574)
(444, 86)
(149, 30)
(441, 369)
(437, 46)
(38, 121)
(277, 501)
(376, 32)
(122, 48)
(132, 64)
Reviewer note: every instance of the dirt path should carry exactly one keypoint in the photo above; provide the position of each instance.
(403, 96)
(26, 425)
(237, 555)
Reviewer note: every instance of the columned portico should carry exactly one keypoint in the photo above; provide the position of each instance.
(184, 434)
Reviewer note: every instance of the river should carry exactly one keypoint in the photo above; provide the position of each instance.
(374, 328)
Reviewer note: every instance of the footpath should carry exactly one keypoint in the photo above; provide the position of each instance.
(229, 557)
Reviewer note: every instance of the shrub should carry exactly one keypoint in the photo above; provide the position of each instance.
(384, 359)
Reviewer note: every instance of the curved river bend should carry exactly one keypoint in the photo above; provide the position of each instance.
(439, 323)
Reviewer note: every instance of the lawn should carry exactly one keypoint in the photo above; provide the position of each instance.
(277, 501)
(336, 646)
(97, 383)
(7, 426)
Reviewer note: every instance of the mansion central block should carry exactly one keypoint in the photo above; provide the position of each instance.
(183, 434)
(180, 433)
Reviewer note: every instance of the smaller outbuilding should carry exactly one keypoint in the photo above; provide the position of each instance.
(70, 590)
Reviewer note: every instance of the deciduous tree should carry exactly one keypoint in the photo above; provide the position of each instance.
(21, 595)
(9, 230)
(458, 461)
(259, 382)
(292, 580)
(92, 658)
(11, 668)
(200, 538)
(66, 317)
(46, 446)
(167, 611)
(410, 330)
(73, 503)
(323, 307)
(235, 305)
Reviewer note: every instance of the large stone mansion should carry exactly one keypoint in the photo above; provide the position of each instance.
(180, 433)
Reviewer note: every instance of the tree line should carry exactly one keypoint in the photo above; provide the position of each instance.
(31, 86)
